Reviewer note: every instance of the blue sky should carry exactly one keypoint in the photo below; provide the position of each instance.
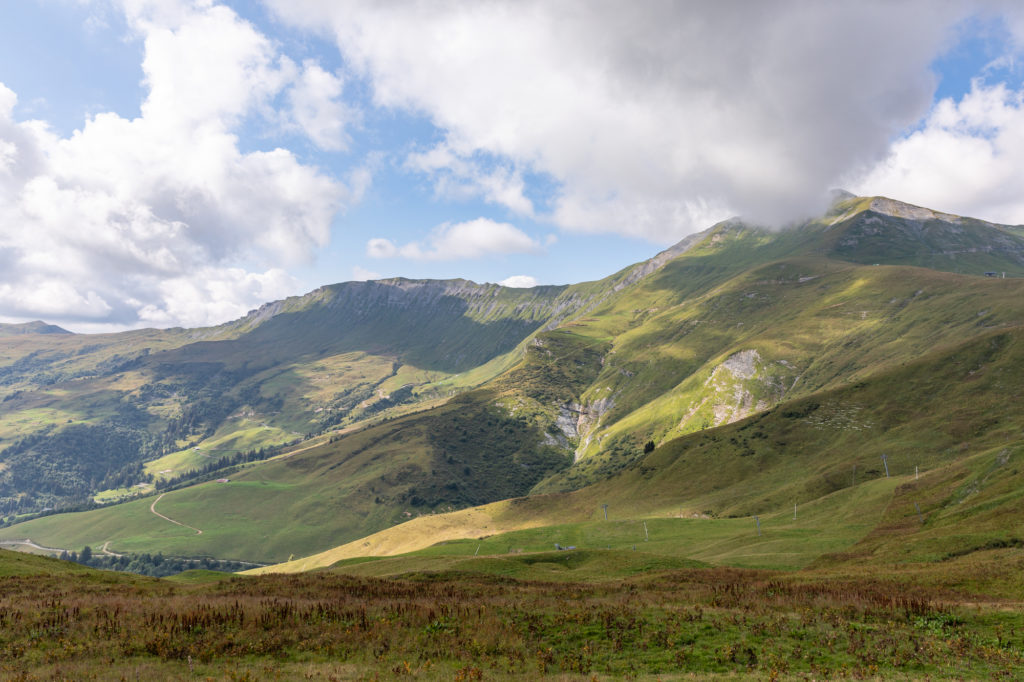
(178, 162)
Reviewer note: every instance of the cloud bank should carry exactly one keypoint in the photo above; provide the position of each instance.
(967, 158)
(652, 119)
(144, 221)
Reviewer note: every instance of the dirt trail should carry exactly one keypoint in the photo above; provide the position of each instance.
(322, 440)
(152, 508)
(28, 543)
(104, 550)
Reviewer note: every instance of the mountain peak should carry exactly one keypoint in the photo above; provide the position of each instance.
(35, 327)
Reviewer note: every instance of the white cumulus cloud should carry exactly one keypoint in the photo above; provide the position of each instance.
(146, 220)
(318, 109)
(650, 119)
(519, 282)
(967, 158)
(454, 241)
(212, 295)
(460, 176)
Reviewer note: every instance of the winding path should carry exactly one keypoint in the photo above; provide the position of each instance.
(104, 550)
(28, 543)
(152, 508)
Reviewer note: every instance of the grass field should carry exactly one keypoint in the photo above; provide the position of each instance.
(834, 523)
(234, 437)
(946, 417)
(789, 467)
(674, 621)
(839, 364)
(950, 446)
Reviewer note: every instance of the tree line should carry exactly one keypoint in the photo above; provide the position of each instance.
(156, 565)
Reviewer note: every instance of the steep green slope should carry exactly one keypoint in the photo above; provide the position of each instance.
(768, 334)
(83, 413)
(576, 382)
(483, 445)
(881, 230)
(950, 417)
(746, 317)
(947, 424)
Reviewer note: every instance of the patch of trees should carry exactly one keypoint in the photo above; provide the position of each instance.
(220, 467)
(50, 468)
(397, 397)
(200, 415)
(344, 402)
(34, 368)
(211, 395)
(156, 565)
(481, 454)
(348, 400)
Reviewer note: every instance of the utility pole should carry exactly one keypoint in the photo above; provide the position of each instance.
(646, 536)
(885, 463)
(605, 507)
(758, 522)
(794, 512)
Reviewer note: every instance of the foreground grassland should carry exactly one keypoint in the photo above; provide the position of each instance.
(907, 623)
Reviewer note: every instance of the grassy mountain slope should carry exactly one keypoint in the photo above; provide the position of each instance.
(340, 355)
(880, 230)
(473, 449)
(731, 325)
(947, 424)
(730, 328)
(951, 414)
(88, 412)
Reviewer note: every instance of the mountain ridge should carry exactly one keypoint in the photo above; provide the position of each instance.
(34, 327)
(575, 380)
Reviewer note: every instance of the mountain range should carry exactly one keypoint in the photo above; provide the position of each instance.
(849, 382)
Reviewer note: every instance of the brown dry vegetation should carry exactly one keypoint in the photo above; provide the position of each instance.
(711, 622)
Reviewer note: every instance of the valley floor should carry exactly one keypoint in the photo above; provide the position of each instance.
(961, 620)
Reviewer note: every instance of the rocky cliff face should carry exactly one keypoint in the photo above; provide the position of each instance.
(744, 383)
(577, 422)
(543, 305)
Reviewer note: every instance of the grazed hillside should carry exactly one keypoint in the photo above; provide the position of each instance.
(575, 385)
(81, 413)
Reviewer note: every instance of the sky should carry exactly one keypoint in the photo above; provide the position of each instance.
(180, 162)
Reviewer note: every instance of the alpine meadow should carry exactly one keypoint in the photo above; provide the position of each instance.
(789, 453)
(454, 341)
